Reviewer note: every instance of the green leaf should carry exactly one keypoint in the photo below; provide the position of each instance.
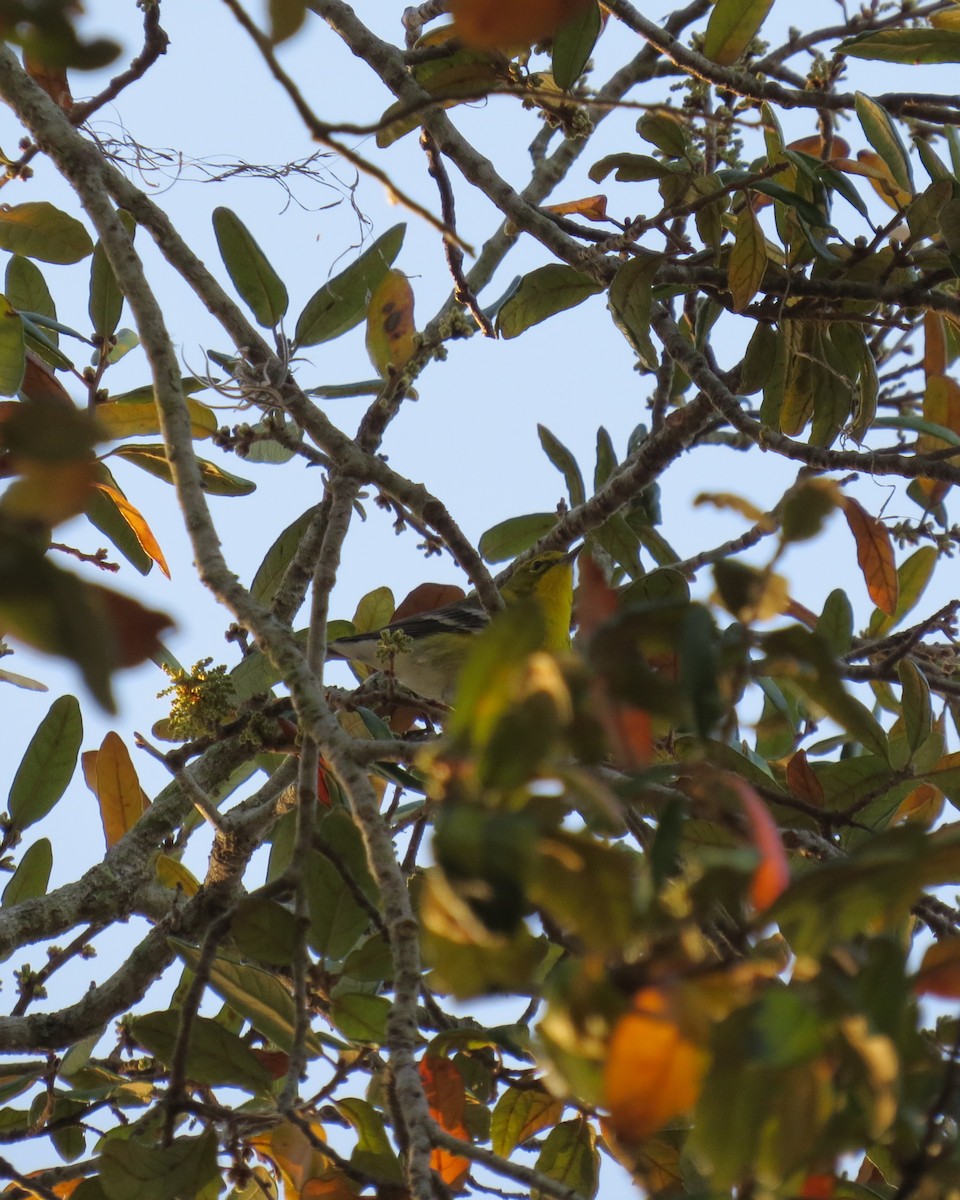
(630, 168)
(906, 46)
(215, 1056)
(569, 1156)
(371, 961)
(543, 293)
(373, 1154)
(213, 478)
(260, 287)
(915, 703)
(883, 136)
(360, 1017)
(106, 300)
(32, 875)
(573, 44)
(38, 230)
(130, 1170)
(342, 303)
(732, 27)
(26, 289)
(122, 417)
(12, 350)
(48, 765)
(286, 18)
(511, 537)
(271, 571)
(913, 575)
(264, 931)
(337, 920)
(565, 463)
(374, 610)
(918, 425)
(835, 624)
(256, 995)
(630, 300)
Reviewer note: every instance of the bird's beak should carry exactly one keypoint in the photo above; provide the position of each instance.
(571, 555)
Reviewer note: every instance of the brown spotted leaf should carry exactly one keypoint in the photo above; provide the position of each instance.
(391, 333)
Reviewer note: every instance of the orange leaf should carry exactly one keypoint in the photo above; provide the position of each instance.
(872, 167)
(934, 344)
(874, 554)
(500, 25)
(446, 1097)
(772, 875)
(802, 781)
(116, 787)
(141, 530)
(815, 146)
(818, 1187)
(391, 333)
(275, 1061)
(921, 807)
(653, 1071)
(941, 405)
(939, 973)
(594, 208)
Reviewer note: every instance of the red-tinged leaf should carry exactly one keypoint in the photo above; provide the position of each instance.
(41, 384)
(323, 788)
(520, 1113)
(939, 973)
(596, 599)
(136, 629)
(772, 876)
(593, 208)
(630, 733)
(802, 781)
(934, 344)
(275, 1061)
(391, 333)
(654, 1070)
(446, 1096)
(113, 779)
(818, 1187)
(874, 554)
(426, 598)
(494, 25)
(141, 530)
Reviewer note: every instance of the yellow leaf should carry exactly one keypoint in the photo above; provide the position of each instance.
(593, 208)
(934, 344)
(122, 419)
(729, 500)
(141, 530)
(874, 554)
(173, 874)
(748, 259)
(872, 167)
(391, 333)
(946, 20)
(112, 777)
(653, 1071)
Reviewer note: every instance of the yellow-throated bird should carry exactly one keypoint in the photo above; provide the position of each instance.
(437, 643)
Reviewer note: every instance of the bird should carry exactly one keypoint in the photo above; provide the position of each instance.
(432, 646)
